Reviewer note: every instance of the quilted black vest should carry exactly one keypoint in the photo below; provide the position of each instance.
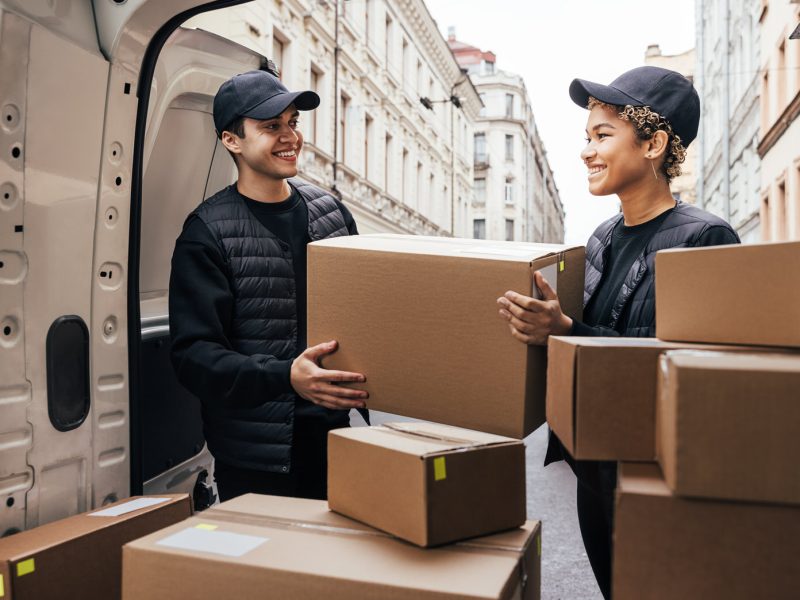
(259, 267)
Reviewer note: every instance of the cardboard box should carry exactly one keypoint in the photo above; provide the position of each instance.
(266, 546)
(667, 547)
(601, 394)
(746, 294)
(727, 425)
(81, 556)
(429, 484)
(418, 316)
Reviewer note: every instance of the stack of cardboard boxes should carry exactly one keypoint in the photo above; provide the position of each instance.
(424, 510)
(713, 509)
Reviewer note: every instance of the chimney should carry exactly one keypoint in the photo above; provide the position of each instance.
(653, 50)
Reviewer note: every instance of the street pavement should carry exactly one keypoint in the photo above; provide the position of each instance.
(566, 574)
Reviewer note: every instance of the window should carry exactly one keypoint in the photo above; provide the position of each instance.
(509, 192)
(404, 177)
(404, 66)
(367, 140)
(509, 147)
(480, 191)
(779, 231)
(509, 230)
(480, 148)
(765, 218)
(278, 51)
(387, 164)
(388, 41)
(420, 186)
(510, 106)
(366, 21)
(765, 104)
(310, 129)
(479, 229)
(419, 78)
(487, 67)
(781, 76)
(344, 106)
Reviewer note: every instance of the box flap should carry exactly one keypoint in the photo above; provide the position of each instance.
(735, 361)
(641, 479)
(422, 439)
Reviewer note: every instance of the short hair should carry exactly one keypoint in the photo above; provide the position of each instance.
(236, 127)
(645, 124)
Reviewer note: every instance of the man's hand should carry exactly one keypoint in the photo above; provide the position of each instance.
(530, 320)
(317, 385)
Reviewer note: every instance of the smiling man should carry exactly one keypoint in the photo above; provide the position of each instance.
(237, 302)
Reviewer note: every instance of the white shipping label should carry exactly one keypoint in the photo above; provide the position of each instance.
(551, 275)
(126, 507)
(214, 542)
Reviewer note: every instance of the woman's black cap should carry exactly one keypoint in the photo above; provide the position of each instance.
(666, 92)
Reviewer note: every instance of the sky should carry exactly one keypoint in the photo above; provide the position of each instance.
(551, 42)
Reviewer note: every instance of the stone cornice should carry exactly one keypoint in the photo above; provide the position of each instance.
(780, 126)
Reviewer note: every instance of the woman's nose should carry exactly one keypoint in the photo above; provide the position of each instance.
(587, 152)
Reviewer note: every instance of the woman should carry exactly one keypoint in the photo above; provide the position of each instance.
(638, 130)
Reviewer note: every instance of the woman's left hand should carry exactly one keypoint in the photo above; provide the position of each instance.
(530, 320)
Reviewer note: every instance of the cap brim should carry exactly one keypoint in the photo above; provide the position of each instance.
(273, 107)
(580, 90)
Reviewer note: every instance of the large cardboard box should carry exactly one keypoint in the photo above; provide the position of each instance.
(418, 316)
(666, 547)
(601, 394)
(254, 547)
(727, 425)
(81, 556)
(747, 294)
(429, 484)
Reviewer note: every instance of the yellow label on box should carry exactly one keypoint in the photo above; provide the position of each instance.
(561, 265)
(439, 469)
(539, 544)
(206, 526)
(25, 567)
(2, 587)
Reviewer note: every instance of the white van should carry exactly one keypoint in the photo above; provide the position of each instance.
(106, 144)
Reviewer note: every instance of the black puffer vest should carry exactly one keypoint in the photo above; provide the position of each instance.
(636, 302)
(259, 267)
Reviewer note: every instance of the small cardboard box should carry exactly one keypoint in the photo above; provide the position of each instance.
(601, 394)
(81, 556)
(666, 547)
(429, 484)
(727, 425)
(746, 294)
(254, 547)
(418, 316)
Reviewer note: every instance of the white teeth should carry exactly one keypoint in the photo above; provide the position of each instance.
(594, 170)
(285, 154)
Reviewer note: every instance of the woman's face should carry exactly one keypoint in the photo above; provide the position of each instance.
(613, 154)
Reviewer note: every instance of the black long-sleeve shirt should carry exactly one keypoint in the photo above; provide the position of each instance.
(627, 243)
(201, 303)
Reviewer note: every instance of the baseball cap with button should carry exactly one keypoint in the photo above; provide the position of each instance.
(666, 92)
(258, 95)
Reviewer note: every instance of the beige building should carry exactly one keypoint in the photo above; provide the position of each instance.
(516, 197)
(400, 166)
(683, 187)
(779, 134)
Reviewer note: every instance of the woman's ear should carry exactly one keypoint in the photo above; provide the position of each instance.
(657, 145)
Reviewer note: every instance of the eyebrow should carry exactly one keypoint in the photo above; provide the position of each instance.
(599, 125)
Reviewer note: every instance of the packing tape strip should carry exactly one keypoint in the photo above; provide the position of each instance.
(206, 526)
(26, 567)
(396, 427)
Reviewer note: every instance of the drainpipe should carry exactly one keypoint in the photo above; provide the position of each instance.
(700, 68)
(726, 115)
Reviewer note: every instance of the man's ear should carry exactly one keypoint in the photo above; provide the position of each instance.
(231, 142)
(656, 147)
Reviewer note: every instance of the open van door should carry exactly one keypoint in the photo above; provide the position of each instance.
(88, 91)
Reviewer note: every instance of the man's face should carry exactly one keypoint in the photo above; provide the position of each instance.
(614, 156)
(269, 147)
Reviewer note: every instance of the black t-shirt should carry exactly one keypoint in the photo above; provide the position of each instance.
(201, 306)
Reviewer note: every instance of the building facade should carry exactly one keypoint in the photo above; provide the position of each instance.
(728, 78)
(684, 187)
(400, 165)
(779, 137)
(515, 195)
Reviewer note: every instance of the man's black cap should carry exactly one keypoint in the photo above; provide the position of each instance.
(258, 95)
(666, 92)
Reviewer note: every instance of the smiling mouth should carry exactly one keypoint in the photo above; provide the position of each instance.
(595, 170)
(290, 155)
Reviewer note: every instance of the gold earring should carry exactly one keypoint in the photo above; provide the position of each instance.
(654, 171)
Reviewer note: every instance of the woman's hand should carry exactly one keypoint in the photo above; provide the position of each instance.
(530, 320)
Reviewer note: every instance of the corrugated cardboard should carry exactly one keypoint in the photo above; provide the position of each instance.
(254, 547)
(418, 316)
(727, 425)
(601, 394)
(80, 556)
(667, 547)
(429, 484)
(746, 294)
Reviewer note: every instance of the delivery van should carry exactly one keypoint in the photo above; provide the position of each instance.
(106, 144)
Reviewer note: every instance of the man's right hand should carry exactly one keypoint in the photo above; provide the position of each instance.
(318, 385)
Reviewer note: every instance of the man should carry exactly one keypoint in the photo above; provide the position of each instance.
(238, 302)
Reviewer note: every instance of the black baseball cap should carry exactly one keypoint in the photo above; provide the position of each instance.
(666, 92)
(258, 95)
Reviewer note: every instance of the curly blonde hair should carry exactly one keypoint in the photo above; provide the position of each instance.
(645, 123)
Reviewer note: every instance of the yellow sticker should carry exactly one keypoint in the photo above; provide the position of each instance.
(439, 470)
(25, 567)
(561, 265)
(539, 544)
(2, 587)
(206, 526)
